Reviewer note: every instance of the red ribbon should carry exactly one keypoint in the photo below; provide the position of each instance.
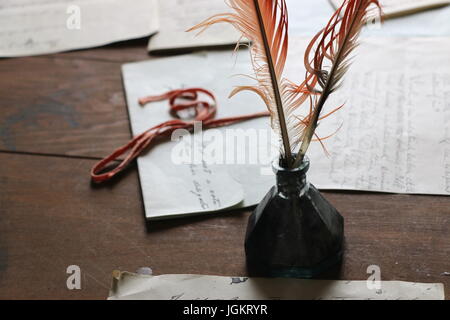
(204, 112)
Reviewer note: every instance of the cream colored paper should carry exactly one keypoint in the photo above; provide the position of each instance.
(127, 286)
(32, 27)
(395, 8)
(177, 16)
(395, 134)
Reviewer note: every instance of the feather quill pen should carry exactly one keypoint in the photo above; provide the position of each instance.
(334, 44)
(265, 24)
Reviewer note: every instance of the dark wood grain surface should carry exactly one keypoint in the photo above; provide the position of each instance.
(60, 112)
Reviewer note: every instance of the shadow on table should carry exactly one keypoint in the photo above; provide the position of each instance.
(162, 225)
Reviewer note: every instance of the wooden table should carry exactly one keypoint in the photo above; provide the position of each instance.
(61, 113)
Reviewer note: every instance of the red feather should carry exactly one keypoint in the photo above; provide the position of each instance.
(265, 24)
(330, 50)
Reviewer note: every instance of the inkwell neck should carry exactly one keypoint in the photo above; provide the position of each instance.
(291, 181)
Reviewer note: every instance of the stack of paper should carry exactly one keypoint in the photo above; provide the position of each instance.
(395, 134)
(31, 27)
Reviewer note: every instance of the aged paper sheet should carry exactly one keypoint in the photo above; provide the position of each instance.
(127, 286)
(173, 186)
(306, 18)
(32, 27)
(394, 129)
(395, 134)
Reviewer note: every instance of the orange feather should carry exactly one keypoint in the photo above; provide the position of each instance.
(330, 50)
(265, 24)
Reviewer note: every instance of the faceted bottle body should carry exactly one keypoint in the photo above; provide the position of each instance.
(294, 231)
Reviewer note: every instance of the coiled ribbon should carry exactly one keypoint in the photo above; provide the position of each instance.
(179, 100)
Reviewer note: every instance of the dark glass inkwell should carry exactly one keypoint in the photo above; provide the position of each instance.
(294, 232)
